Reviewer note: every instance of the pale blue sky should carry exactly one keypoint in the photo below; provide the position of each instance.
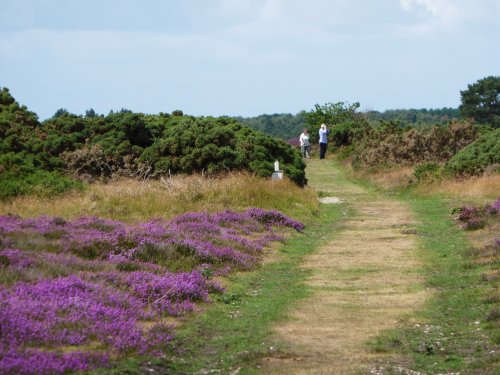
(244, 57)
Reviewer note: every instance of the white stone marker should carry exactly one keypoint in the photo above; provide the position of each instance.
(277, 174)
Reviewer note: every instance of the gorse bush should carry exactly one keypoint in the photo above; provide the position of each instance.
(20, 175)
(391, 144)
(130, 144)
(344, 134)
(478, 157)
(218, 145)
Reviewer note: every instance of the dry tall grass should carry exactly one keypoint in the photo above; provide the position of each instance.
(391, 178)
(479, 189)
(131, 200)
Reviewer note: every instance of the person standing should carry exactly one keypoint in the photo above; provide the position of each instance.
(323, 140)
(304, 144)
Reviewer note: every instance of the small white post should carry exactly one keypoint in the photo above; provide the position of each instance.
(277, 174)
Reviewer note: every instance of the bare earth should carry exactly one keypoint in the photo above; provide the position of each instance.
(364, 279)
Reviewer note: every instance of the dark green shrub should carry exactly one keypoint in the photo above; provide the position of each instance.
(343, 134)
(129, 144)
(19, 175)
(478, 157)
(220, 145)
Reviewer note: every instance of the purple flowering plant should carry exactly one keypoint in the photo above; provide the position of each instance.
(80, 291)
(476, 217)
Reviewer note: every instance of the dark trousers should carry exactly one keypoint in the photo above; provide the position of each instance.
(322, 150)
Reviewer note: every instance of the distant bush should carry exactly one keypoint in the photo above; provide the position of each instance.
(413, 116)
(482, 155)
(283, 126)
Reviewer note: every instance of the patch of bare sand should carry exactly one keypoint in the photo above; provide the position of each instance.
(363, 282)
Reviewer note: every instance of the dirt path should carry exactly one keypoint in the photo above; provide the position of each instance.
(363, 280)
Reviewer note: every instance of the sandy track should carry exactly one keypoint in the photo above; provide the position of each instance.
(363, 281)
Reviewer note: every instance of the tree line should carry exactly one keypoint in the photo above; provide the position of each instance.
(480, 102)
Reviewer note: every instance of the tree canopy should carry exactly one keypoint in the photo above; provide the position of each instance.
(481, 101)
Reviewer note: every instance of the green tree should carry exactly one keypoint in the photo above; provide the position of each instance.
(481, 101)
(60, 112)
(90, 113)
(332, 114)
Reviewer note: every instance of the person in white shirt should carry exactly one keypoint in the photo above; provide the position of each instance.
(323, 140)
(304, 143)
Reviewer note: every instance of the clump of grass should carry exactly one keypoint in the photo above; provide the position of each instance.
(133, 201)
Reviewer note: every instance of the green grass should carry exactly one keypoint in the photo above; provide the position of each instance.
(451, 332)
(233, 332)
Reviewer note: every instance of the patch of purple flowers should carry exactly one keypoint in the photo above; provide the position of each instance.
(494, 208)
(475, 217)
(84, 288)
(71, 312)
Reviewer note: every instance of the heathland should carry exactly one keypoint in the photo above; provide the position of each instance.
(134, 243)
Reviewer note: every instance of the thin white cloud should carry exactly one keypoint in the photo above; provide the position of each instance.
(451, 14)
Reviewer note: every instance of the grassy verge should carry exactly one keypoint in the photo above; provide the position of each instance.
(452, 332)
(134, 201)
(231, 333)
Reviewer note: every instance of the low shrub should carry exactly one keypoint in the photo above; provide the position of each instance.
(476, 217)
(134, 145)
(220, 145)
(427, 172)
(19, 175)
(478, 157)
(115, 308)
(392, 144)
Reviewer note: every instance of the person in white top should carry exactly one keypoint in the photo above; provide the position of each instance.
(304, 143)
(323, 140)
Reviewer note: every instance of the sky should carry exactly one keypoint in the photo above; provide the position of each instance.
(244, 57)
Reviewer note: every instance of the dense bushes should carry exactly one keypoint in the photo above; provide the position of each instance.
(19, 175)
(391, 144)
(128, 144)
(482, 155)
(216, 145)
